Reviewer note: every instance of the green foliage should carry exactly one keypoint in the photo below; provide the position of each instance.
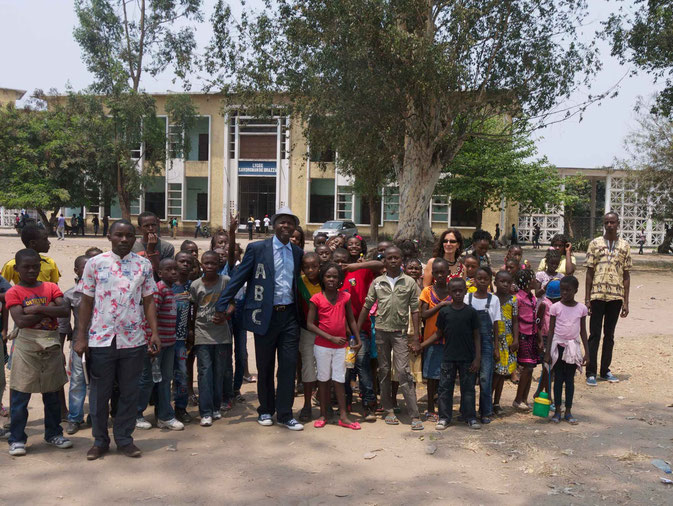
(414, 78)
(581, 244)
(487, 169)
(643, 36)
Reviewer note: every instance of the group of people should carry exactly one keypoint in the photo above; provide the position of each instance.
(258, 226)
(330, 318)
(78, 225)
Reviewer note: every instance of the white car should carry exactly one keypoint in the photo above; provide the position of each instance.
(336, 227)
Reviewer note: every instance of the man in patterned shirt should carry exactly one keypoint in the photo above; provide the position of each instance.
(607, 294)
(117, 302)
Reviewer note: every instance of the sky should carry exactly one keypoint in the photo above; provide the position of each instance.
(39, 52)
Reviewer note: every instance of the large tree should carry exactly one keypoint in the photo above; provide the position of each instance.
(642, 34)
(435, 71)
(121, 40)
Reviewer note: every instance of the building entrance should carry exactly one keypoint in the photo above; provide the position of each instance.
(256, 196)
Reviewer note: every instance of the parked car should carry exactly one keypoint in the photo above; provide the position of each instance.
(336, 227)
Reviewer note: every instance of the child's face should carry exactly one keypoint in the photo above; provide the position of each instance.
(185, 263)
(310, 266)
(210, 263)
(169, 272)
(354, 247)
(533, 284)
(192, 249)
(296, 238)
(516, 254)
(440, 272)
(220, 241)
(331, 279)
(335, 242)
(382, 246)
(41, 245)
(319, 241)
(79, 268)
(392, 261)
(457, 292)
(552, 265)
(503, 284)
(512, 266)
(414, 270)
(471, 266)
(223, 256)
(122, 237)
(29, 269)
(568, 292)
(340, 259)
(324, 253)
(481, 247)
(482, 281)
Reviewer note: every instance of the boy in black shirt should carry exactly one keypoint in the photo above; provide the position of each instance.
(458, 328)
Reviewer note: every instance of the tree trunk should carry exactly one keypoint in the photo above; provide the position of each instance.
(374, 216)
(417, 179)
(45, 220)
(665, 246)
(122, 194)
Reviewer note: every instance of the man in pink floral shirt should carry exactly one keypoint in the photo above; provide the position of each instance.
(117, 300)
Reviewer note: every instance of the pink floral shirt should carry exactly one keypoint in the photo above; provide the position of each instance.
(118, 286)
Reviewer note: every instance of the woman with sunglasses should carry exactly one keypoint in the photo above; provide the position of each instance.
(449, 247)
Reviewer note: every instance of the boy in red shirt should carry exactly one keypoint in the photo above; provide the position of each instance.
(37, 364)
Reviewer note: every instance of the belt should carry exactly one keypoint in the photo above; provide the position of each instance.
(282, 307)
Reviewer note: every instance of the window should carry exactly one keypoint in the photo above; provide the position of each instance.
(440, 209)
(196, 199)
(344, 203)
(232, 138)
(203, 147)
(155, 196)
(174, 141)
(175, 199)
(198, 140)
(321, 200)
(256, 196)
(136, 151)
(462, 215)
(391, 204)
(324, 156)
(258, 147)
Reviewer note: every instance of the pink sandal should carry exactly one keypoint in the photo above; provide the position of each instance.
(319, 424)
(353, 425)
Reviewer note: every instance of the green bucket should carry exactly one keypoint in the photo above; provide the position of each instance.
(541, 405)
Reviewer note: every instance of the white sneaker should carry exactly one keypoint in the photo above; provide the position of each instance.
(17, 449)
(265, 420)
(206, 421)
(217, 415)
(172, 424)
(143, 424)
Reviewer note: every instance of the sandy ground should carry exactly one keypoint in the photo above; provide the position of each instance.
(518, 459)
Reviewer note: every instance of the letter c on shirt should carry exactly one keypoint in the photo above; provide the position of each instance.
(254, 317)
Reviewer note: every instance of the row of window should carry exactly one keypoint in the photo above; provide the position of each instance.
(350, 206)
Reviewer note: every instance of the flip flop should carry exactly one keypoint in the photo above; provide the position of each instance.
(352, 425)
(571, 419)
(391, 420)
(319, 424)
(556, 418)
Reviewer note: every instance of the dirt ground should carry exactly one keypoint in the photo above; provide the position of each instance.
(517, 459)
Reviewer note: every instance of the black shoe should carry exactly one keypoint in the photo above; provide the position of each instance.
(96, 452)
(72, 428)
(182, 415)
(130, 450)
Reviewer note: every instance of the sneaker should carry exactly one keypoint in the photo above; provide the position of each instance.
(473, 424)
(442, 424)
(226, 406)
(591, 381)
(172, 424)
(72, 428)
(206, 421)
(217, 415)
(293, 424)
(265, 420)
(17, 449)
(182, 415)
(59, 442)
(4, 434)
(143, 424)
(610, 378)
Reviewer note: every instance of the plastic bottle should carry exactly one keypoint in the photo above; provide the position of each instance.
(156, 371)
(662, 465)
(350, 353)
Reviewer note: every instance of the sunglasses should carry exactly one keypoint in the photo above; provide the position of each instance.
(450, 241)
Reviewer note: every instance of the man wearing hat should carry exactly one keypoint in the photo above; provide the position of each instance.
(270, 269)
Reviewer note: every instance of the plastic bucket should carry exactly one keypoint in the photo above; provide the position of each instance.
(541, 405)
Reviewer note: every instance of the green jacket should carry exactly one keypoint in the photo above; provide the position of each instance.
(394, 304)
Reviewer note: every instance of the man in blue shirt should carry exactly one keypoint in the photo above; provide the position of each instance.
(270, 268)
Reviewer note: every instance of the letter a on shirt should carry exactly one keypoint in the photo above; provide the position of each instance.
(260, 273)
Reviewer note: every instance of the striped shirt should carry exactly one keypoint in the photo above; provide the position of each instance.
(166, 313)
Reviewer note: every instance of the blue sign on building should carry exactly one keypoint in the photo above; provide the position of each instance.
(246, 168)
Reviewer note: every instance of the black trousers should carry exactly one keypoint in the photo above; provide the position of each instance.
(105, 366)
(604, 314)
(281, 339)
(563, 373)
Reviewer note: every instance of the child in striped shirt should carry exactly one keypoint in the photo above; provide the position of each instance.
(162, 364)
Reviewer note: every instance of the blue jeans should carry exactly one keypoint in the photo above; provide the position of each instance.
(364, 371)
(447, 382)
(210, 360)
(166, 358)
(77, 389)
(180, 395)
(18, 408)
(228, 376)
(240, 345)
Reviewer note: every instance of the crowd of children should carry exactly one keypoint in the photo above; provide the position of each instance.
(381, 320)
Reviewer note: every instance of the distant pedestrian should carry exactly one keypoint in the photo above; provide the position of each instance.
(197, 229)
(174, 227)
(60, 228)
(106, 224)
(497, 232)
(80, 224)
(514, 237)
(267, 223)
(641, 241)
(536, 236)
(257, 225)
(96, 223)
(251, 224)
